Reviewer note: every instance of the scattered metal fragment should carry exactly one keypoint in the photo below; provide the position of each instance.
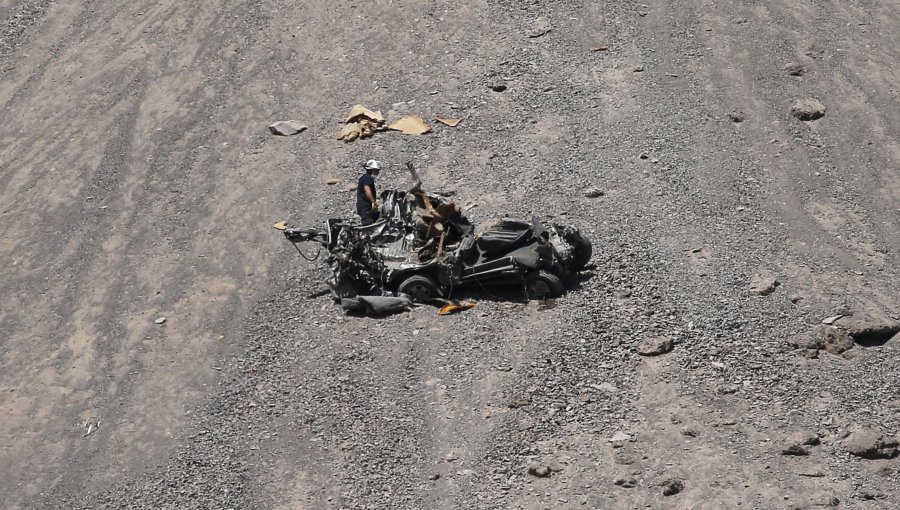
(448, 121)
(90, 425)
(411, 125)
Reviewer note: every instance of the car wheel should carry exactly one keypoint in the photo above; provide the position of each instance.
(583, 250)
(419, 288)
(543, 285)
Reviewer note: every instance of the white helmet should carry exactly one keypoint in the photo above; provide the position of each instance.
(373, 165)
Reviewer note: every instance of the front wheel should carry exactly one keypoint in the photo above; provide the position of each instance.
(543, 285)
(582, 250)
(419, 288)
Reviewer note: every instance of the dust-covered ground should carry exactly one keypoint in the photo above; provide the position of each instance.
(138, 182)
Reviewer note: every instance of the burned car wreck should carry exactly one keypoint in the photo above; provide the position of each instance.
(423, 248)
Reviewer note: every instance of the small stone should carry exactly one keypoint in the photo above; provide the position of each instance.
(624, 459)
(605, 387)
(796, 298)
(795, 450)
(850, 355)
(763, 285)
(656, 346)
(286, 128)
(795, 69)
(639, 69)
(808, 109)
(539, 471)
(830, 320)
(807, 353)
(520, 401)
(628, 483)
(811, 440)
(434, 476)
(807, 341)
(728, 389)
(825, 501)
(869, 444)
(592, 192)
(672, 487)
(498, 86)
(619, 437)
(802, 439)
(737, 116)
(540, 27)
(160, 320)
(689, 432)
(834, 340)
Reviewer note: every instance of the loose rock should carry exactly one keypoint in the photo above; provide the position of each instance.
(834, 340)
(672, 487)
(286, 128)
(539, 471)
(737, 116)
(795, 69)
(656, 346)
(628, 483)
(763, 285)
(795, 450)
(808, 109)
(869, 444)
(592, 192)
(541, 26)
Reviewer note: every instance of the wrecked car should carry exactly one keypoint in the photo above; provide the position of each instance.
(424, 247)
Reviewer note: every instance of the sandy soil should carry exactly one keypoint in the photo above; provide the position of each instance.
(138, 181)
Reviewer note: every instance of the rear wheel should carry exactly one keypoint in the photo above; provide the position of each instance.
(543, 285)
(419, 288)
(582, 250)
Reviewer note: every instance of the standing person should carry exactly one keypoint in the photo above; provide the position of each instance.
(366, 204)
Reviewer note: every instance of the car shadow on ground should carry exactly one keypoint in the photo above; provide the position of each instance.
(516, 293)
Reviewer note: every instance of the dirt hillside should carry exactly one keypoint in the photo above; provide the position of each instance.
(161, 346)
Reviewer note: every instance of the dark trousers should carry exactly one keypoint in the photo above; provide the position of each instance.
(367, 215)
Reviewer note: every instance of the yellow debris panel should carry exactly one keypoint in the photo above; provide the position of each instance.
(411, 125)
(456, 307)
(448, 122)
(360, 112)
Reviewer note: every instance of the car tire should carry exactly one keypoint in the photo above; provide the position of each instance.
(543, 285)
(419, 288)
(583, 250)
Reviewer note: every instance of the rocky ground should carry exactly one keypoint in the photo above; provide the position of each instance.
(732, 344)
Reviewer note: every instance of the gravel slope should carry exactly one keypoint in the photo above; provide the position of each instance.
(138, 181)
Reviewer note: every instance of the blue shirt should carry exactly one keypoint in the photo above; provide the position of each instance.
(361, 199)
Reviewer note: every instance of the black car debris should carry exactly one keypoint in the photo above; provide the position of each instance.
(424, 247)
